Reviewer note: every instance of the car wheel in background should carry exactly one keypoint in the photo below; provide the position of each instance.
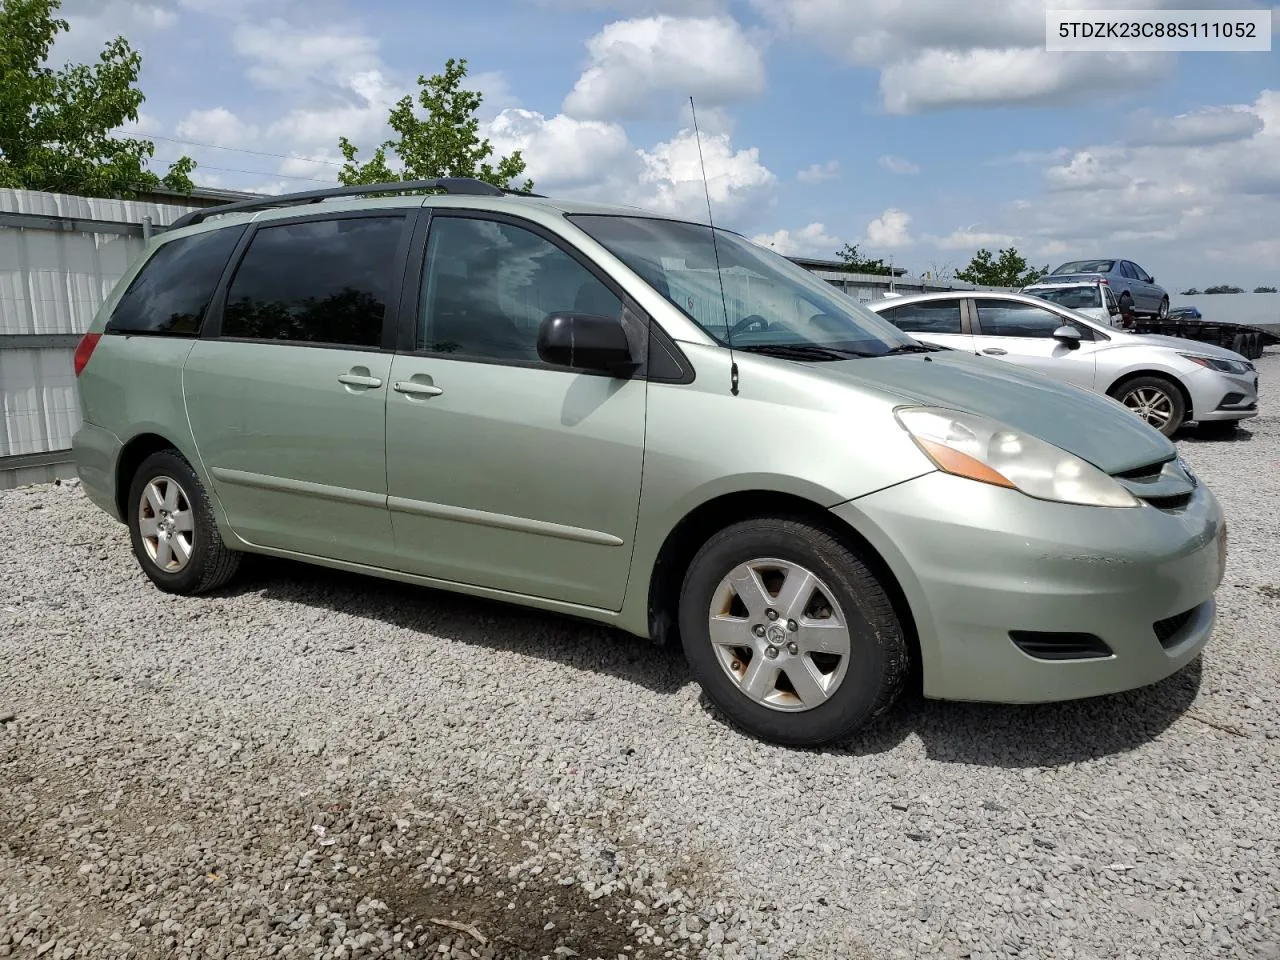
(1163, 312)
(1126, 303)
(171, 525)
(1156, 400)
(790, 633)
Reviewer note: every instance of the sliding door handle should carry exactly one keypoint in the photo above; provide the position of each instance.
(415, 389)
(996, 351)
(358, 380)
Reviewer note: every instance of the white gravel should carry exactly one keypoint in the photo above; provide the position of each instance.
(318, 765)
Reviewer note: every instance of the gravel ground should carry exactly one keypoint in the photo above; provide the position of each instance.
(312, 764)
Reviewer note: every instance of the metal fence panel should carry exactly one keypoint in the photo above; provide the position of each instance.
(60, 256)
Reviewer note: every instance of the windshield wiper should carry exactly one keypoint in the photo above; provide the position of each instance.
(803, 351)
(911, 348)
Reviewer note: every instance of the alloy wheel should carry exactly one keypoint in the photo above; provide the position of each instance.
(1152, 405)
(779, 634)
(167, 524)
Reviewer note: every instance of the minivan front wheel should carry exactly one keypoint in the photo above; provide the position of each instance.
(790, 633)
(171, 526)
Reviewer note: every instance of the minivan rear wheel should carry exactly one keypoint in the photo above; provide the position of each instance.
(171, 525)
(790, 633)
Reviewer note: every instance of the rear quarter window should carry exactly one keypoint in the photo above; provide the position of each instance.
(170, 294)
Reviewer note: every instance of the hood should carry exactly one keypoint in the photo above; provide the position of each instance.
(1185, 346)
(1093, 427)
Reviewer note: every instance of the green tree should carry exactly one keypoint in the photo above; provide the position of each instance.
(1224, 288)
(854, 262)
(445, 142)
(1264, 289)
(56, 126)
(1007, 269)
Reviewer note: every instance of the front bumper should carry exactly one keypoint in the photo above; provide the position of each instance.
(1223, 396)
(978, 562)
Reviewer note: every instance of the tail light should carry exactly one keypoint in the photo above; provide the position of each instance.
(85, 350)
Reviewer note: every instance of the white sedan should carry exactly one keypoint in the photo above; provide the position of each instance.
(1165, 380)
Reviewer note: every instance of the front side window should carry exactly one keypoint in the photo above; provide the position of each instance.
(172, 291)
(940, 316)
(742, 294)
(489, 285)
(1012, 318)
(318, 281)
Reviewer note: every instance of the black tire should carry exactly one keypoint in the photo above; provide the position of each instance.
(878, 660)
(1255, 346)
(211, 562)
(1177, 405)
(1240, 345)
(1126, 303)
(1162, 312)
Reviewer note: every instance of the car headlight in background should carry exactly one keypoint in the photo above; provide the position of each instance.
(974, 447)
(1217, 363)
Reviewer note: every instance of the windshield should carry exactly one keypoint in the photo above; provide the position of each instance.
(1086, 266)
(769, 304)
(1075, 298)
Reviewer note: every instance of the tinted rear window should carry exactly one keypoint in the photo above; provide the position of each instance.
(173, 289)
(319, 281)
(1086, 266)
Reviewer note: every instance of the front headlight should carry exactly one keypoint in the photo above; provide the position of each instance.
(1217, 363)
(971, 446)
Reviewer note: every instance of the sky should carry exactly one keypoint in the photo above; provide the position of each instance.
(919, 130)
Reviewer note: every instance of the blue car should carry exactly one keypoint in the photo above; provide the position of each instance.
(1134, 288)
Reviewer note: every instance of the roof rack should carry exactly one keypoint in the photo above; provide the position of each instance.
(467, 186)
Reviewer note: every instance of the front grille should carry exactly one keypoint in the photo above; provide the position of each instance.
(1231, 399)
(1169, 628)
(1149, 471)
(1059, 646)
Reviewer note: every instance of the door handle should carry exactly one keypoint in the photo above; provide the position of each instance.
(417, 389)
(358, 380)
(996, 351)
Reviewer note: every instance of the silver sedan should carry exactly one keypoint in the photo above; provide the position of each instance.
(1165, 380)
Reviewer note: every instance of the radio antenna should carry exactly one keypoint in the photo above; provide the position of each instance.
(715, 248)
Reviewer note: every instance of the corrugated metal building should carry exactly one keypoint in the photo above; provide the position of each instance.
(59, 258)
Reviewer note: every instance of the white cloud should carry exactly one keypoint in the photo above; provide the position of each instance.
(562, 153)
(594, 160)
(889, 230)
(217, 126)
(971, 240)
(810, 241)
(819, 172)
(94, 23)
(898, 165)
(285, 57)
(632, 62)
(938, 54)
(941, 79)
(671, 182)
(1200, 128)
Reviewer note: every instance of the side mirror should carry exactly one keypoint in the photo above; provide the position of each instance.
(586, 341)
(1068, 335)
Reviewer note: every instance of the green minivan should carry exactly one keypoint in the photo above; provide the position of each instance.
(646, 422)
